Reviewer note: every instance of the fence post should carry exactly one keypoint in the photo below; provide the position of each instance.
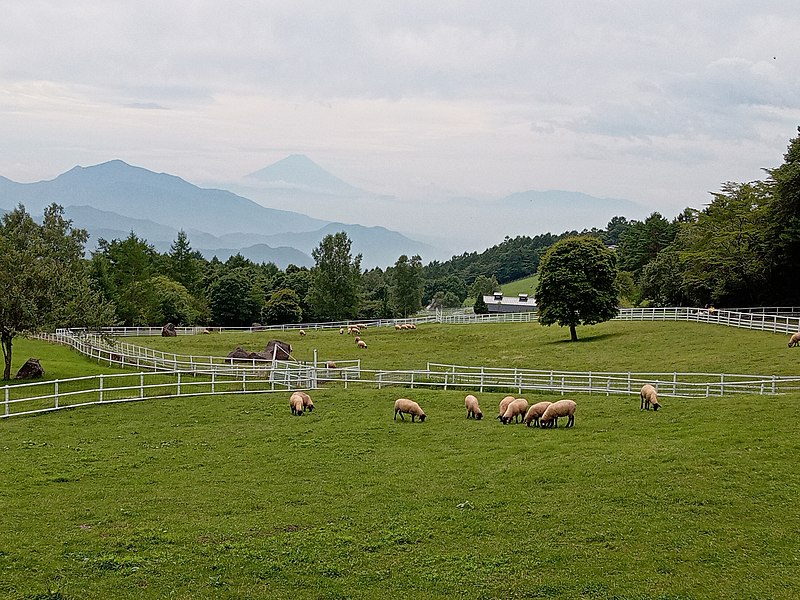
(141, 385)
(179, 383)
(482, 374)
(244, 381)
(445, 381)
(55, 392)
(722, 384)
(380, 379)
(590, 382)
(213, 380)
(101, 387)
(6, 400)
(412, 380)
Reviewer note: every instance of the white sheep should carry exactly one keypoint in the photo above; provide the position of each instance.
(302, 332)
(330, 365)
(516, 409)
(649, 396)
(341, 330)
(504, 405)
(398, 327)
(562, 408)
(362, 344)
(357, 339)
(296, 404)
(409, 407)
(473, 410)
(794, 340)
(535, 412)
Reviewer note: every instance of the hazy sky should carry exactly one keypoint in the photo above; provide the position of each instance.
(656, 102)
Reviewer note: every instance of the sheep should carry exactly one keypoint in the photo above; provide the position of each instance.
(362, 344)
(330, 365)
(307, 403)
(341, 330)
(473, 410)
(504, 405)
(356, 339)
(649, 396)
(515, 409)
(794, 340)
(404, 405)
(302, 332)
(296, 404)
(562, 408)
(398, 327)
(412, 326)
(535, 412)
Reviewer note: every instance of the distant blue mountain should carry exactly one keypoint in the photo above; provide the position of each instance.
(299, 173)
(112, 199)
(137, 193)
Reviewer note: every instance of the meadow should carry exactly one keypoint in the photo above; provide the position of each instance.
(232, 497)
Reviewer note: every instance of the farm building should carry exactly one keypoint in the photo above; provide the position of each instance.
(497, 303)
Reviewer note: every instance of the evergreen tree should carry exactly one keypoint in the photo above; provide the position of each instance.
(335, 279)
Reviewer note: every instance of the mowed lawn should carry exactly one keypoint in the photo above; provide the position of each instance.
(613, 346)
(233, 497)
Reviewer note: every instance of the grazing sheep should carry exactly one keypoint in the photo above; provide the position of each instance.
(473, 410)
(302, 332)
(562, 408)
(404, 405)
(341, 330)
(330, 365)
(649, 396)
(794, 340)
(356, 339)
(362, 344)
(296, 404)
(535, 412)
(515, 410)
(412, 326)
(504, 405)
(307, 403)
(398, 327)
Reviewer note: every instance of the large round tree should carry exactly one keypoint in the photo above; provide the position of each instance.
(577, 284)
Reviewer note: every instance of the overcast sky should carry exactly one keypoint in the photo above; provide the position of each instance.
(655, 102)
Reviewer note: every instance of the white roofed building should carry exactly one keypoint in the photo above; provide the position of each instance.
(497, 303)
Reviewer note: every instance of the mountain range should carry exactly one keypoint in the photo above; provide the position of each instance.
(112, 199)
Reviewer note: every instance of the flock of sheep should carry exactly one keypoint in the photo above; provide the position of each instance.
(541, 414)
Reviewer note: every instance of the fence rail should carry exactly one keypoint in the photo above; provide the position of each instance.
(46, 396)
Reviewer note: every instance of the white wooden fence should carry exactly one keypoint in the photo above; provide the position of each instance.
(46, 396)
(173, 375)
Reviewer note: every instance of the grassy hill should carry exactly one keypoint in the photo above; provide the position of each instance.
(612, 346)
(520, 286)
(232, 497)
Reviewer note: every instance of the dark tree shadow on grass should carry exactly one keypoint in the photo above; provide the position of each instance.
(589, 338)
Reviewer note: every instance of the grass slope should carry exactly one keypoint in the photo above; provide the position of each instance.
(612, 346)
(527, 285)
(234, 498)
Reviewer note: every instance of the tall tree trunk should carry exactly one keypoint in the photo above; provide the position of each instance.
(6, 339)
(573, 335)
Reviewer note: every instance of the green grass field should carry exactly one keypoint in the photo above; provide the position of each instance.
(526, 285)
(612, 346)
(232, 497)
